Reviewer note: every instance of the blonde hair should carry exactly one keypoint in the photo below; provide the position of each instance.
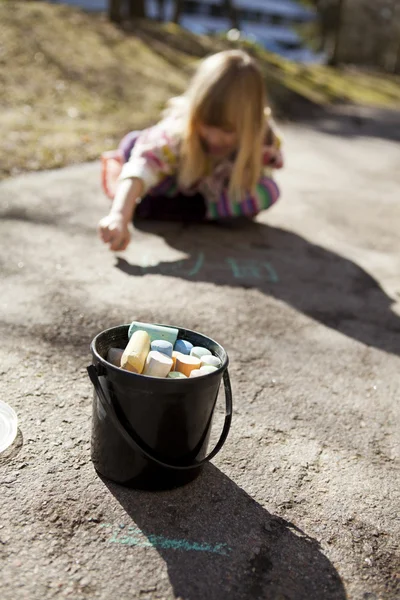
(228, 92)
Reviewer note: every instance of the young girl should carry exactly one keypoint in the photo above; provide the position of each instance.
(210, 157)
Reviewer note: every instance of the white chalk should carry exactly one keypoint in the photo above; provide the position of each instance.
(214, 361)
(207, 369)
(199, 352)
(203, 371)
(157, 364)
(195, 373)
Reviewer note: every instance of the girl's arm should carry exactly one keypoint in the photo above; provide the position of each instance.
(114, 228)
(154, 157)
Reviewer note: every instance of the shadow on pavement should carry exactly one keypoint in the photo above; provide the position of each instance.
(227, 546)
(355, 121)
(320, 283)
(343, 120)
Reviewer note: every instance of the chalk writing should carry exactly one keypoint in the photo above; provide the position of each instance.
(250, 268)
(198, 265)
(133, 536)
(240, 268)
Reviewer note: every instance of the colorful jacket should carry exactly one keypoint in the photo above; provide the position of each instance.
(155, 157)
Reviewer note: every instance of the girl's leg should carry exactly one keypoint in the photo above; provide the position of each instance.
(266, 194)
(112, 161)
(111, 165)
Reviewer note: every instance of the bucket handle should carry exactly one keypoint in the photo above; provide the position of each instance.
(136, 443)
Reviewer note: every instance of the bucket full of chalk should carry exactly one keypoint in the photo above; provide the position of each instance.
(155, 391)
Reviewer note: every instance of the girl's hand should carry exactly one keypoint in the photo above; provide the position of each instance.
(272, 157)
(113, 230)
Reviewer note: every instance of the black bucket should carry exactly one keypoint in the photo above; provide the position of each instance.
(149, 432)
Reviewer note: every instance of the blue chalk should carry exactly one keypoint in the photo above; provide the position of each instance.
(162, 346)
(183, 346)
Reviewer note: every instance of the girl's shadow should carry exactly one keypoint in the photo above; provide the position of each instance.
(220, 544)
(321, 284)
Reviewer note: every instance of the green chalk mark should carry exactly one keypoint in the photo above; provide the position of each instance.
(133, 536)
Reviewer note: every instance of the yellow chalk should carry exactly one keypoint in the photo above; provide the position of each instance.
(136, 352)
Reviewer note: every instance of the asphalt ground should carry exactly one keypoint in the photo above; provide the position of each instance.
(303, 500)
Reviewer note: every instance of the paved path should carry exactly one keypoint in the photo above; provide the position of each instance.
(303, 501)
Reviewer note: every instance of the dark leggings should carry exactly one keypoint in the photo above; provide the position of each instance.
(187, 209)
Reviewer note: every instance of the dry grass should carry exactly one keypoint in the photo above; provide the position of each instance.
(71, 83)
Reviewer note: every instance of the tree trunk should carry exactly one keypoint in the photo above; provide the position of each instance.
(231, 13)
(397, 62)
(177, 11)
(114, 10)
(136, 9)
(161, 10)
(322, 29)
(337, 35)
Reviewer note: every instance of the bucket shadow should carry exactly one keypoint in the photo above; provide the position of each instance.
(317, 282)
(219, 543)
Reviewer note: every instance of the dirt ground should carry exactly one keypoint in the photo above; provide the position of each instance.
(302, 503)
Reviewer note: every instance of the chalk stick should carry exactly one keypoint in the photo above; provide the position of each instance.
(162, 346)
(176, 375)
(203, 371)
(157, 364)
(183, 346)
(185, 364)
(208, 359)
(208, 369)
(156, 332)
(199, 352)
(195, 373)
(174, 356)
(114, 356)
(135, 354)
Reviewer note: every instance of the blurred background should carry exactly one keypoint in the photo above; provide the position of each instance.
(364, 32)
(76, 75)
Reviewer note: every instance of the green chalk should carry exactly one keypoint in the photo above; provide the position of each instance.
(156, 332)
(176, 375)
